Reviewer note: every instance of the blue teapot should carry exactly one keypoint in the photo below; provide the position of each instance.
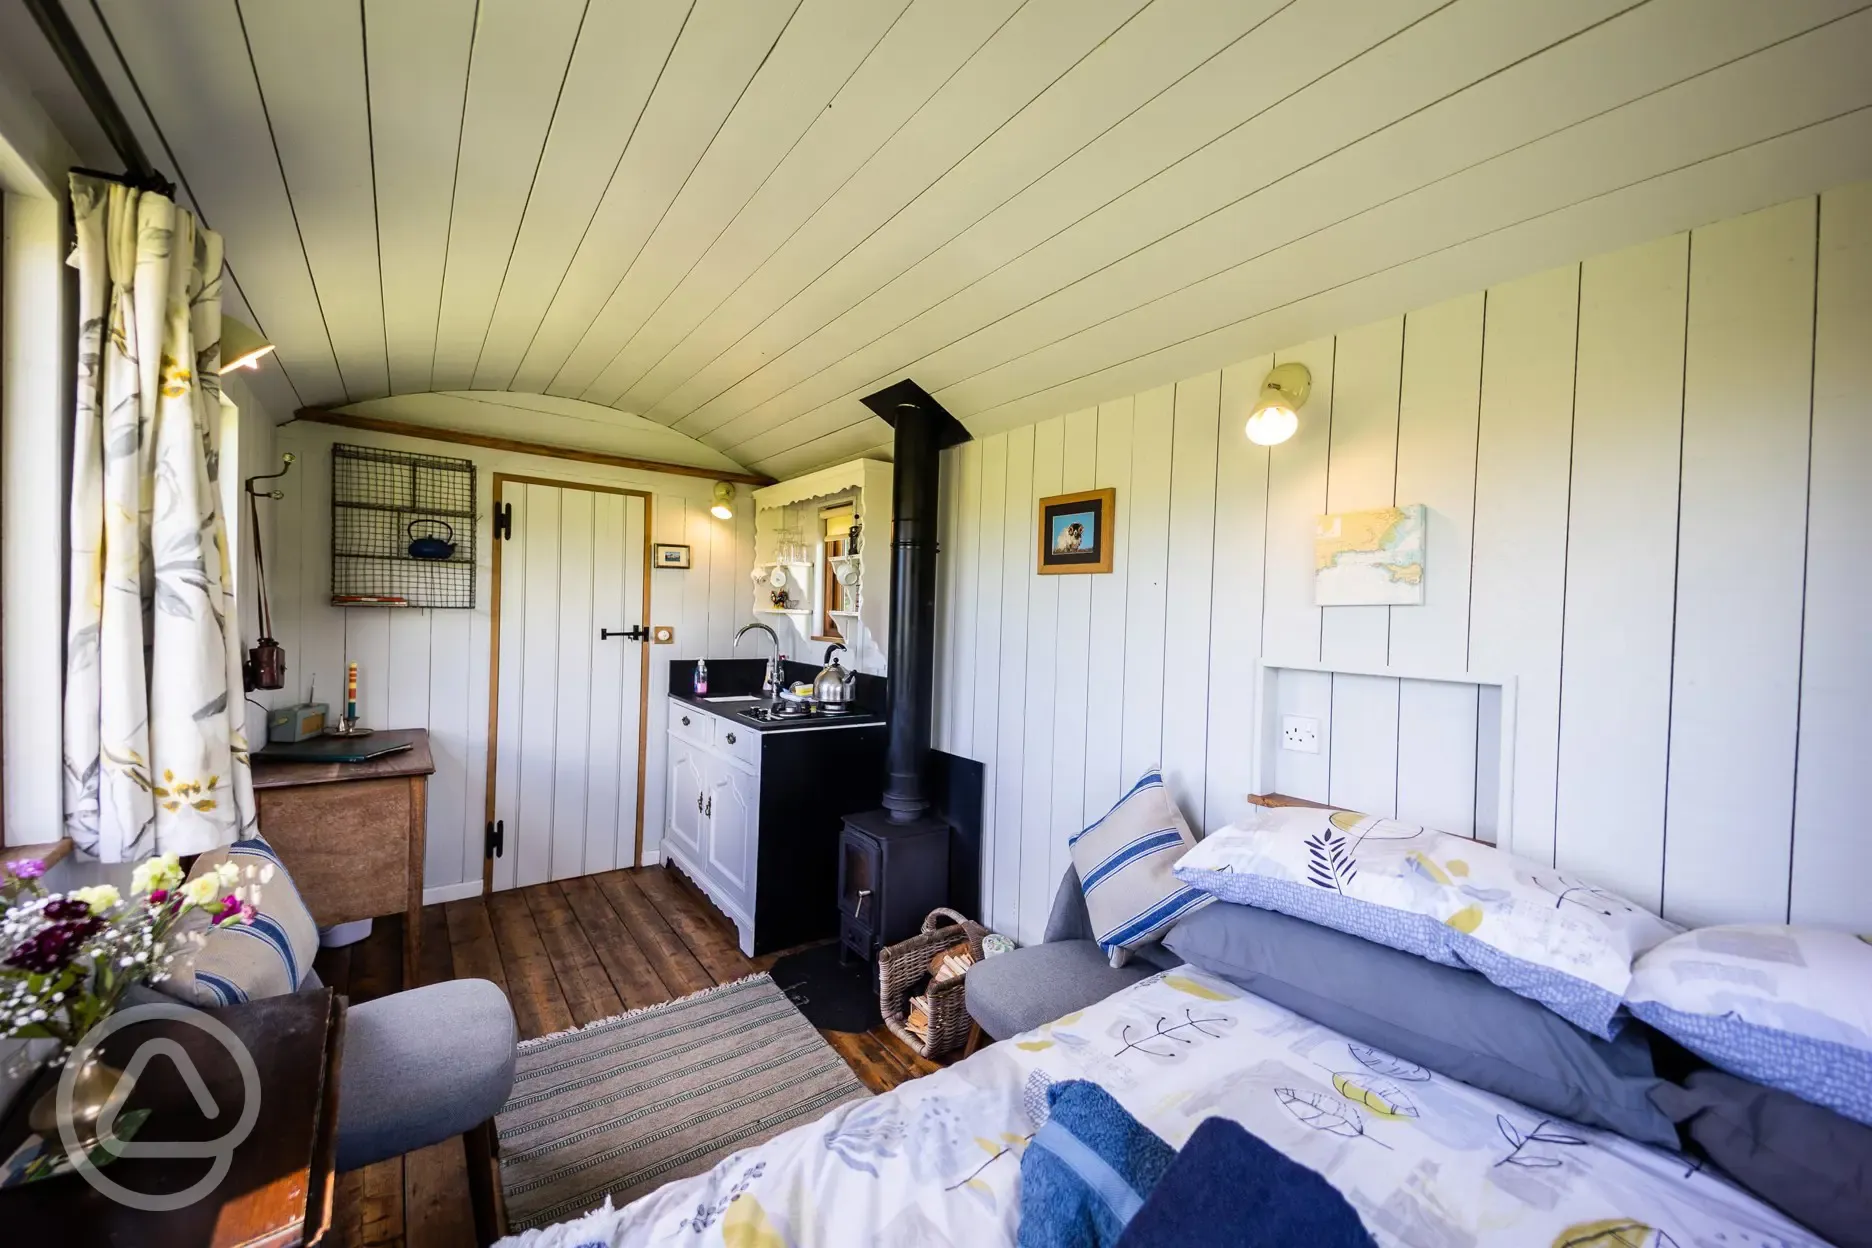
(429, 546)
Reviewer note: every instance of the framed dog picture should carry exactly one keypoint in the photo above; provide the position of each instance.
(668, 555)
(1076, 532)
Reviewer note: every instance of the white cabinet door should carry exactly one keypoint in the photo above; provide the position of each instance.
(687, 799)
(732, 808)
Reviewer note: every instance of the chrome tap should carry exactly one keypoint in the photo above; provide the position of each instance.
(771, 684)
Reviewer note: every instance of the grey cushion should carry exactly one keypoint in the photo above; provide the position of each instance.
(1070, 920)
(1018, 991)
(1450, 1020)
(1807, 1161)
(421, 1066)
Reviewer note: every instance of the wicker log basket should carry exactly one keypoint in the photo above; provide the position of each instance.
(902, 968)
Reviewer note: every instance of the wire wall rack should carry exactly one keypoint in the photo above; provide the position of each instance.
(388, 504)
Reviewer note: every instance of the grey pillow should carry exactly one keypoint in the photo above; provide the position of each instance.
(1451, 1020)
(1807, 1161)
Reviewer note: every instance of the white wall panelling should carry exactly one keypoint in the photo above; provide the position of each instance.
(1830, 866)
(1735, 679)
(430, 668)
(739, 216)
(1640, 657)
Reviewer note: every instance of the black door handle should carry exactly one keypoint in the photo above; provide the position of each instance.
(635, 632)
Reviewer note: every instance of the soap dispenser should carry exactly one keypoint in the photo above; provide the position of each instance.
(701, 677)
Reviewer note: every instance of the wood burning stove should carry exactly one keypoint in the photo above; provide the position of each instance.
(891, 875)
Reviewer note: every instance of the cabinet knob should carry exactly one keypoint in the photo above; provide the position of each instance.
(709, 809)
(685, 721)
(731, 738)
(698, 801)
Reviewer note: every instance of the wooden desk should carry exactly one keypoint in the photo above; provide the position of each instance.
(277, 1192)
(351, 834)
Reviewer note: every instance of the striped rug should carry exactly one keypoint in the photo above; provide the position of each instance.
(622, 1106)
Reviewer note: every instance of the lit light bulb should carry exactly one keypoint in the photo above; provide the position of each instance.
(1272, 425)
(721, 511)
(723, 506)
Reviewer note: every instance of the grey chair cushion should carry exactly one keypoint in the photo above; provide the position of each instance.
(421, 1066)
(1018, 991)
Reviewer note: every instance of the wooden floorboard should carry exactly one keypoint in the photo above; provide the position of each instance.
(588, 991)
(651, 933)
(539, 1005)
(471, 942)
(707, 939)
(565, 953)
(632, 972)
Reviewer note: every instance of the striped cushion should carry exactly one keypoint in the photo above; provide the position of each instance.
(268, 957)
(1124, 863)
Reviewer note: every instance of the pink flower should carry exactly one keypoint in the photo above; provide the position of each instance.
(234, 910)
(25, 868)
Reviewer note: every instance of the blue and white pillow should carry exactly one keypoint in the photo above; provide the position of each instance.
(1124, 863)
(1542, 933)
(268, 957)
(1788, 1007)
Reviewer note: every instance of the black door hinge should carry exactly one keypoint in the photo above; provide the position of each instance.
(496, 839)
(503, 521)
(635, 632)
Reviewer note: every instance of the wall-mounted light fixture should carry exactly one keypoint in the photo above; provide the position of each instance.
(723, 507)
(241, 345)
(1277, 413)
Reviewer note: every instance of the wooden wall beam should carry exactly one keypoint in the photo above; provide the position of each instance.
(403, 428)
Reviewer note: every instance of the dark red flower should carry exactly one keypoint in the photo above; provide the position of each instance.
(66, 908)
(52, 948)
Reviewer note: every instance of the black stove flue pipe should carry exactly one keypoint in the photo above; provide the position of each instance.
(924, 428)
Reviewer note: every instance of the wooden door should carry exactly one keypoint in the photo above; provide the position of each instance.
(731, 807)
(687, 796)
(568, 701)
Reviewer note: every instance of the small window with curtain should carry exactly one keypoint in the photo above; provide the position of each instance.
(836, 523)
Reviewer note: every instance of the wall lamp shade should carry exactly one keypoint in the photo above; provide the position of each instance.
(241, 345)
(723, 506)
(1277, 413)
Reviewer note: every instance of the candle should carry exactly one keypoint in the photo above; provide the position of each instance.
(350, 692)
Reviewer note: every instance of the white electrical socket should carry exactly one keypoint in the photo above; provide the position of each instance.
(1300, 734)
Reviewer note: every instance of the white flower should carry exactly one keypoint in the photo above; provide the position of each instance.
(201, 890)
(153, 873)
(228, 874)
(100, 897)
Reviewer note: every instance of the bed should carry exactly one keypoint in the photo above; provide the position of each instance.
(1426, 1161)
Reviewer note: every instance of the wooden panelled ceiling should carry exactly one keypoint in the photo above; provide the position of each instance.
(734, 217)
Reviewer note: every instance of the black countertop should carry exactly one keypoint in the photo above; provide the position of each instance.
(730, 677)
(731, 711)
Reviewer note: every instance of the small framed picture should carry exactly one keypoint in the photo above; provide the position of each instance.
(669, 555)
(1075, 532)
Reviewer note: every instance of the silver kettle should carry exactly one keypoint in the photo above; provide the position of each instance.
(834, 686)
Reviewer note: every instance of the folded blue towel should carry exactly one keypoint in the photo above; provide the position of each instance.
(1228, 1189)
(1087, 1171)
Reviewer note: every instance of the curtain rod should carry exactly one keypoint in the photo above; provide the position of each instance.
(63, 36)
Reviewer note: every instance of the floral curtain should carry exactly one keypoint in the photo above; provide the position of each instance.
(155, 760)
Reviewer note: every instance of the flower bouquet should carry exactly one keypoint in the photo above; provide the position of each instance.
(67, 959)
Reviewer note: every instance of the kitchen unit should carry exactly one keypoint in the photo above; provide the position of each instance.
(755, 808)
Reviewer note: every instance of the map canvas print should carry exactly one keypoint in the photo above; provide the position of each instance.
(1370, 558)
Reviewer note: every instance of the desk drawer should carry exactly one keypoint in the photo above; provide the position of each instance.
(348, 847)
(693, 726)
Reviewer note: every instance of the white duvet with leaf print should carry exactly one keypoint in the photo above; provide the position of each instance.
(1426, 1161)
(1560, 939)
